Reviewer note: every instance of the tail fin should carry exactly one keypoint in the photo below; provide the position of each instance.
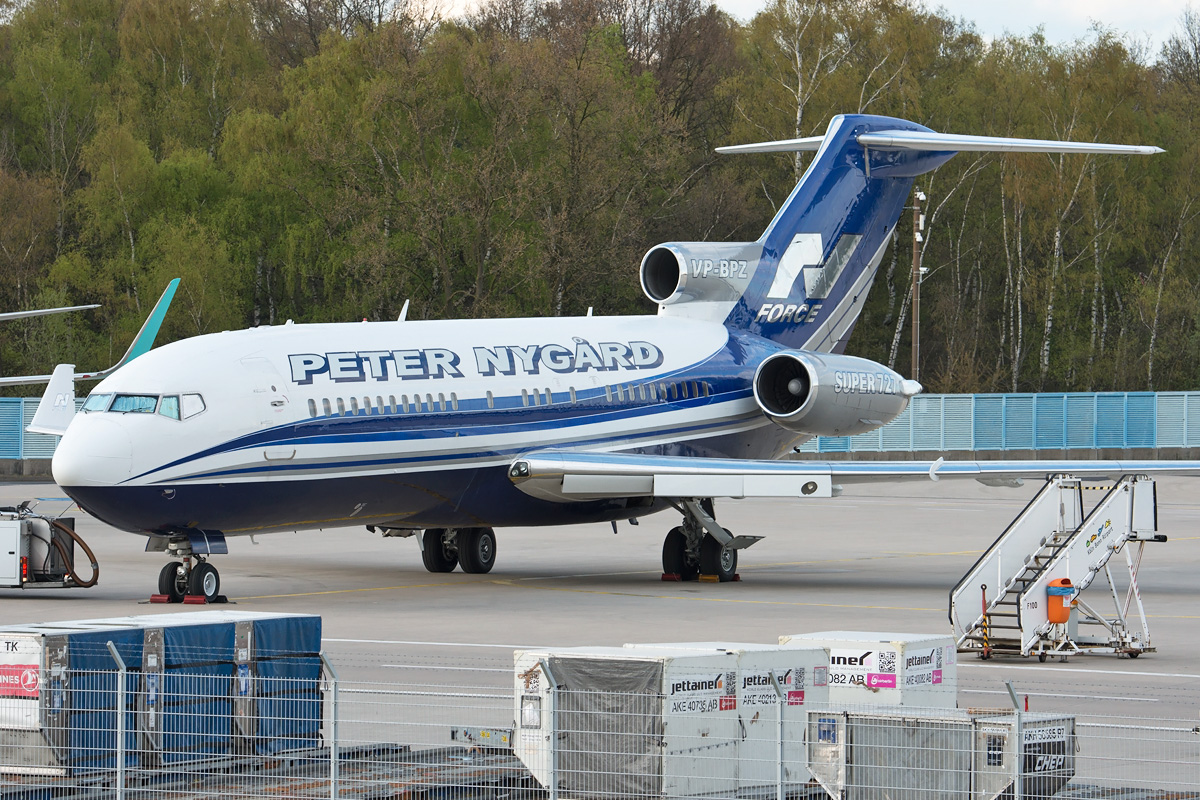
(819, 255)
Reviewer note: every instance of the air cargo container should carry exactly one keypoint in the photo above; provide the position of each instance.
(647, 720)
(862, 756)
(902, 669)
(200, 686)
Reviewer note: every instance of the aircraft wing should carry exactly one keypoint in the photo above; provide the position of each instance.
(568, 476)
(141, 343)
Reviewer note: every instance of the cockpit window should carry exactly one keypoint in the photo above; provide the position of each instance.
(96, 402)
(169, 406)
(134, 404)
(191, 405)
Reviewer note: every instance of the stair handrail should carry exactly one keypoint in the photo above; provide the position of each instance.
(1054, 483)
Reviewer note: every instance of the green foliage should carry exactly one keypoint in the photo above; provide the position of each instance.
(291, 162)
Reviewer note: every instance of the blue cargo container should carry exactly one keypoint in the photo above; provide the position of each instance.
(200, 686)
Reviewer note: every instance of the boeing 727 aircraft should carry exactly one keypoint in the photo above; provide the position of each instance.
(449, 429)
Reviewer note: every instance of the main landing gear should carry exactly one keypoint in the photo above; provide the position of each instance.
(443, 549)
(701, 547)
(190, 579)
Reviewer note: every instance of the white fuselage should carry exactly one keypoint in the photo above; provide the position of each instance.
(407, 423)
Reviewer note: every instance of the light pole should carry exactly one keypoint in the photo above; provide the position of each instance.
(918, 226)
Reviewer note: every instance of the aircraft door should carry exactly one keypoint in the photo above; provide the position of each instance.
(268, 390)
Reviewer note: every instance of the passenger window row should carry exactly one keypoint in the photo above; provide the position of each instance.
(642, 392)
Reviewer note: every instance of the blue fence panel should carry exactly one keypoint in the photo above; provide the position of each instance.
(927, 422)
(833, 444)
(10, 427)
(1110, 420)
(1081, 421)
(989, 422)
(1140, 420)
(958, 413)
(1018, 422)
(1192, 415)
(1171, 419)
(1049, 432)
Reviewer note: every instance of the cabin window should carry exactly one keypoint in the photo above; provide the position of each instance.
(96, 402)
(312, 407)
(491, 401)
(441, 401)
(524, 398)
(549, 396)
(537, 397)
(653, 391)
(571, 391)
(704, 387)
(341, 405)
(392, 403)
(134, 404)
(379, 407)
(366, 405)
(354, 406)
(325, 406)
(453, 401)
(608, 393)
(429, 402)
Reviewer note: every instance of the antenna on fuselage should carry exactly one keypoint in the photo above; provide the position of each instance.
(403, 313)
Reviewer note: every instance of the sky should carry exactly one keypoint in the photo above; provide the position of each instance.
(1064, 20)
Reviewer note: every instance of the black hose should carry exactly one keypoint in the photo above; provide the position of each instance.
(62, 550)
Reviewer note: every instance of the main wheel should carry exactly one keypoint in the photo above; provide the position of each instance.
(716, 559)
(674, 558)
(205, 580)
(434, 553)
(173, 581)
(476, 550)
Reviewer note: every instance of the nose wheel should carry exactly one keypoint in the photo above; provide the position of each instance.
(191, 580)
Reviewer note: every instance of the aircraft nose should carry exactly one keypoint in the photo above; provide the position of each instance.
(96, 453)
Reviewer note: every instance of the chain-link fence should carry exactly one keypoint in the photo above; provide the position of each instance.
(424, 723)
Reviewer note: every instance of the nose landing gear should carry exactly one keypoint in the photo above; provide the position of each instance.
(191, 579)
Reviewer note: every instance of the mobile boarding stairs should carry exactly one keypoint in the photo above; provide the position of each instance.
(1023, 596)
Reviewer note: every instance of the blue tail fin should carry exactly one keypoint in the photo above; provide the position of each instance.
(821, 252)
(804, 282)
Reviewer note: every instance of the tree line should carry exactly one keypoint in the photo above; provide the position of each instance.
(326, 160)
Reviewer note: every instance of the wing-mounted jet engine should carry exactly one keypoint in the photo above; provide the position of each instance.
(825, 394)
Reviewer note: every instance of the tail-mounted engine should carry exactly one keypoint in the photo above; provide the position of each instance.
(829, 395)
(687, 272)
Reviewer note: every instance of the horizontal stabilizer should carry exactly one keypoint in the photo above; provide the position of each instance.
(919, 140)
(41, 312)
(930, 141)
(782, 146)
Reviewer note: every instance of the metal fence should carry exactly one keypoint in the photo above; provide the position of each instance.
(965, 422)
(1076, 421)
(405, 725)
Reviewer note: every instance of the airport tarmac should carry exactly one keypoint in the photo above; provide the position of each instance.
(879, 558)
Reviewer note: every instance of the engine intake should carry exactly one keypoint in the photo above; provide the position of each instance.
(680, 272)
(826, 394)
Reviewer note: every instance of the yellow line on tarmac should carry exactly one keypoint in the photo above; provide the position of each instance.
(338, 591)
(518, 584)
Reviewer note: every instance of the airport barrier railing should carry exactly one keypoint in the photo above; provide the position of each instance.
(404, 725)
(1071, 421)
(937, 423)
